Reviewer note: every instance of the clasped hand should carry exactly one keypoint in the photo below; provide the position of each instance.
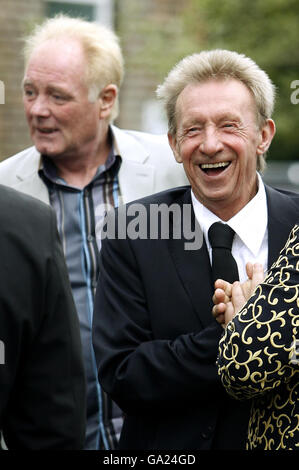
(229, 298)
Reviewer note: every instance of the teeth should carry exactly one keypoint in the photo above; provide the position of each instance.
(214, 165)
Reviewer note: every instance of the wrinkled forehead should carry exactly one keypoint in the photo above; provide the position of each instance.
(60, 53)
(57, 61)
(216, 99)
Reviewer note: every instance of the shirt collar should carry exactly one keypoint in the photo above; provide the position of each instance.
(48, 170)
(250, 223)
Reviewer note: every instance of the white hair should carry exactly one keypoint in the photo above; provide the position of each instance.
(105, 64)
(218, 64)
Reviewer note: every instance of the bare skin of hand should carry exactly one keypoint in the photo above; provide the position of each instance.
(229, 298)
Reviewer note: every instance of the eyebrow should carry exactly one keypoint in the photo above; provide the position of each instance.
(229, 117)
(51, 88)
(26, 81)
(59, 89)
(220, 118)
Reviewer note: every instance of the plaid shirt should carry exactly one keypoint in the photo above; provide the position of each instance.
(78, 214)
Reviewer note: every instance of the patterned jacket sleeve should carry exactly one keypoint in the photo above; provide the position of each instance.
(258, 350)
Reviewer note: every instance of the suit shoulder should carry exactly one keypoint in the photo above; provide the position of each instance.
(18, 157)
(144, 137)
(282, 194)
(27, 222)
(168, 197)
(17, 204)
(155, 146)
(292, 195)
(21, 163)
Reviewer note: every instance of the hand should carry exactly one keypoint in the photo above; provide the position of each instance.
(222, 301)
(229, 298)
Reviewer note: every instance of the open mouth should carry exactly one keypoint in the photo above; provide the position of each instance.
(46, 130)
(214, 169)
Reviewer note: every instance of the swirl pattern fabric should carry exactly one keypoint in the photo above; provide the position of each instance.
(258, 354)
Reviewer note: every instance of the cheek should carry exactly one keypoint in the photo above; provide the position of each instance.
(64, 114)
(69, 121)
(85, 118)
(187, 149)
(27, 108)
(246, 165)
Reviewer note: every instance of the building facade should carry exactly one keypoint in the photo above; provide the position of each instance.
(138, 23)
(138, 106)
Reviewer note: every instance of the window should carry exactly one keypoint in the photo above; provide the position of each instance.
(92, 10)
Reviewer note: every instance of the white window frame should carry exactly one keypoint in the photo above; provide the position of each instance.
(104, 9)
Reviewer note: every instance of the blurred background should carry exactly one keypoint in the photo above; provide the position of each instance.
(154, 35)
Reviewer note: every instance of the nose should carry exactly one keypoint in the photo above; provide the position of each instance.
(210, 144)
(40, 107)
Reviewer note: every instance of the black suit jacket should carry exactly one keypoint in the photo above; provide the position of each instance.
(42, 385)
(156, 342)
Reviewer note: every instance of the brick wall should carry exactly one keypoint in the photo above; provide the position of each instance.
(133, 19)
(16, 16)
(137, 22)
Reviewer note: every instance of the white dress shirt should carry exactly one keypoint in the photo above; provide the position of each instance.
(250, 224)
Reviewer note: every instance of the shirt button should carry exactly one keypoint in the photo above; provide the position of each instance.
(90, 238)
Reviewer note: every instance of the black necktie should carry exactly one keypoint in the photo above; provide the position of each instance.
(224, 265)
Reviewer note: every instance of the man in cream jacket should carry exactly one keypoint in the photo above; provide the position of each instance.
(79, 163)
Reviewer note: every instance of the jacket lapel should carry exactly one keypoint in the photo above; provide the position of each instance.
(193, 267)
(27, 177)
(135, 180)
(283, 213)
(136, 177)
(34, 186)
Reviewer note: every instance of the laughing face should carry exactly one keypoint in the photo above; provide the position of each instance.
(63, 122)
(218, 140)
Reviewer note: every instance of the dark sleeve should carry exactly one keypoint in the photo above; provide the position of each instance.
(140, 371)
(259, 350)
(46, 408)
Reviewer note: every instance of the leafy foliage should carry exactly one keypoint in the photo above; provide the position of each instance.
(265, 30)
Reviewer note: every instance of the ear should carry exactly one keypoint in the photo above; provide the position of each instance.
(267, 133)
(107, 99)
(174, 146)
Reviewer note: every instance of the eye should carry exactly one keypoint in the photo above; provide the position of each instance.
(58, 97)
(193, 130)
(229, 125)
(29, 93)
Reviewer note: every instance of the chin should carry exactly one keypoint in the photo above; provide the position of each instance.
(48, 150)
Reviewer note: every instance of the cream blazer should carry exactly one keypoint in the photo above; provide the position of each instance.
(148, 166)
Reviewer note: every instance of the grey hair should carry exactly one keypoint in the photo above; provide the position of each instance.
(218, 64)
(105, 64)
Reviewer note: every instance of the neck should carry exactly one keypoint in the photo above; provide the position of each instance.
(225, 213)
(224, 210)
(78, 170)
(226, 207)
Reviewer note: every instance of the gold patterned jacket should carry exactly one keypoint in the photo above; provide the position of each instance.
(259, 354)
